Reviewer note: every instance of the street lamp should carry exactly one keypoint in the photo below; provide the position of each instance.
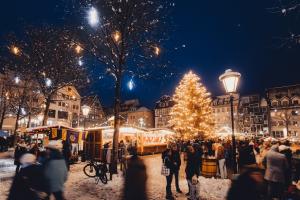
(230, 81)
(85, 111)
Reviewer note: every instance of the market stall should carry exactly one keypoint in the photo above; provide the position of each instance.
(41, 136)
(147, 141)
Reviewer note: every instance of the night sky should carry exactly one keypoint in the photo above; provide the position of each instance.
(210, 36)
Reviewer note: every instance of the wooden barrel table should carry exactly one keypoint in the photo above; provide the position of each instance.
(209, 167)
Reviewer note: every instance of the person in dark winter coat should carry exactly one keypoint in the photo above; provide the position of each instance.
(198, 157)
(66, 151)
(55, 170)
(170, 164)
(177, 162)
(20, 150)
(191, 168)
(246, 157)
(29, 183)
(135, 180)
(248, 186)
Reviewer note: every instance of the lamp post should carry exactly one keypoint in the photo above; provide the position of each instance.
(230, 81)
(85, 111)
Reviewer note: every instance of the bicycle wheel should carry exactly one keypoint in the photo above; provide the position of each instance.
(103, 178)
(90, 170)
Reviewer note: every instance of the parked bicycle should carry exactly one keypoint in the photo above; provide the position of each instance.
(96, 170)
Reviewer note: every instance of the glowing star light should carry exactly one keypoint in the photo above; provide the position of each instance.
(93, 17)
(80, 63)
(17, 80)
(130, 84)
(156, 51)
(117, 36)
(48, 82)
(78, 49)
(15, 50)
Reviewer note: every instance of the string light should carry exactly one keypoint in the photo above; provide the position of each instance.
(78, 49)
(117, 36)
(15, 50)
(17, 80)
(157, 51)
(191, 115)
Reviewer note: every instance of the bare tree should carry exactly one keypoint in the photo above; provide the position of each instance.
(5, 96)
(289, 10)
(126, 38)
(46, 57)
(287, 117)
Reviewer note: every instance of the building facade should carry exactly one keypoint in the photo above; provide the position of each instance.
(96, 115)
(253, 115)
(162, 112)
(222, 114)
(64, 110)
(284, 108)
(142, 117)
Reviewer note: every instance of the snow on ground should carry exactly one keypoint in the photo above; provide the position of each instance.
(81, 187)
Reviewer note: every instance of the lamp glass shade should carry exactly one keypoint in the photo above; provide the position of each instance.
(85, 110)
(230, 80)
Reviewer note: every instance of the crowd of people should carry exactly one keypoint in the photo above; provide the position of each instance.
(39, 174)
(267, 166)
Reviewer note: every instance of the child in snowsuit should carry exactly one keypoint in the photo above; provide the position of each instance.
(194, 189)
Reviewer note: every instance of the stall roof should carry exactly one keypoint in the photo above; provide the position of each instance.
(54, 126)
(166, 130)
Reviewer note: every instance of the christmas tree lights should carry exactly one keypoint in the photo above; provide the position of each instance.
(191, 116)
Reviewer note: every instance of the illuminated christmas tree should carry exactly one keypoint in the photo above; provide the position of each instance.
(191, 116)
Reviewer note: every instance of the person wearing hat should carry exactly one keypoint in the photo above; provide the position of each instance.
(29, 183)
(55, 170)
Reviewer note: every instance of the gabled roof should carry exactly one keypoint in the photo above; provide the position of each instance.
(143, 109)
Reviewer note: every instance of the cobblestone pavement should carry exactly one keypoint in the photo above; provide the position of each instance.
(81, 187)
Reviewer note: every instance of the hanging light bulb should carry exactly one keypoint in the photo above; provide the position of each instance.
(157, 51)
(78, 49)
(17, 80)
(117, 36)
(130, 85)
(93, 17)
(48, 82)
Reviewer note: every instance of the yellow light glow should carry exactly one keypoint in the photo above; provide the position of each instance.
(230, 84)
(78, 49)
(15, 50)
(191, 115)
(117, 36)
(156, 51)
(230, 80)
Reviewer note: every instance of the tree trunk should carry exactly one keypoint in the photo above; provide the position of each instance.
(29, 120)
(45, 119)
(2, 115)
(117, 123)
(17, 119)
(3, 111)
(19, 110)
(287, 128)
